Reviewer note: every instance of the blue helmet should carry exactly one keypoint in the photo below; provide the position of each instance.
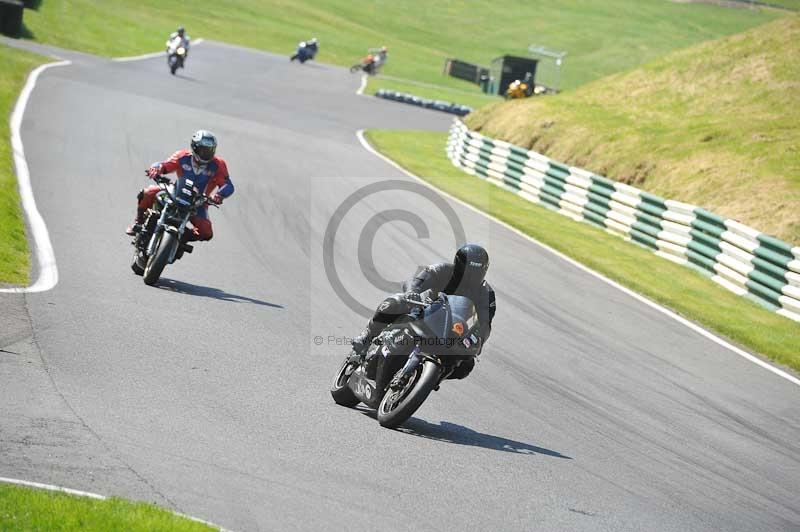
(204, 145)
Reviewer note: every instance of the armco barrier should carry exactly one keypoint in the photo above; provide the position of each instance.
(736, 256)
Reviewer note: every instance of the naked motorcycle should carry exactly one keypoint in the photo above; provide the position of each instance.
(159, 240)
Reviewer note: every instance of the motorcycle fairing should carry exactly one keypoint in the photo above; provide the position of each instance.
(437, 323)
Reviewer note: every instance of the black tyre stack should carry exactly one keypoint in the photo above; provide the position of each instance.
(438, 105)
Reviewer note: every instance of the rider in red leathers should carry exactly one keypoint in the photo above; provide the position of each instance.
(209, 173)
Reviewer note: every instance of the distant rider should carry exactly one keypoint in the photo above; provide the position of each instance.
(464, 277)
(180, 33)
(313, 46)
(309, 48)
(209, 174)
(378, 59)
(381, 57)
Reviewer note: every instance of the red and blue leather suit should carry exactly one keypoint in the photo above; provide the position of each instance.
(208, 178)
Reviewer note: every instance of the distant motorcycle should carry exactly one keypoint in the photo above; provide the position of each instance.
(158, 239)
(409, 360)
(369, 64)
(176, 54)
(305, 51)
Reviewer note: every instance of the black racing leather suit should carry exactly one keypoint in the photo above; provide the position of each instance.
(438, 278)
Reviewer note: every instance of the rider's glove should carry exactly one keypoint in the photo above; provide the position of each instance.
(154, 171)
(412, 296)
(216, 199)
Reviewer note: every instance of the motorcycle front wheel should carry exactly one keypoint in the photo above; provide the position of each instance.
(355, 68)
(399, 405)
(341, 393)
(158, 261)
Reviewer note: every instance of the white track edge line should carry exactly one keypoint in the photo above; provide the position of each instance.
(79, 493)
(51, 487)
(680, 319)
(150, 55)
(42, 248)
(363, 85)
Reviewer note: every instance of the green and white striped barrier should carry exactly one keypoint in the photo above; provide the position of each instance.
(736, 256)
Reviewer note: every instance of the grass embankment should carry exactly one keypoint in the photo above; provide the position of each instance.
(29, 509)
(682, 289)
(601, 37)
(14, 258)
(717, 125)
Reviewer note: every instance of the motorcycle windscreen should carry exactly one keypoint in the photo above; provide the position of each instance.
(463, 316)
(452, 317)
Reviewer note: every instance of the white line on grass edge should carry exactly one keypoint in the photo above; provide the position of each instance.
(150, 55)
(79, 493)
(698, 329)
(43, 249)
(363, 85)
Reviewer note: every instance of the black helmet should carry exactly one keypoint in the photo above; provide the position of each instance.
(471, 263)
(180, 30)
(204, 145)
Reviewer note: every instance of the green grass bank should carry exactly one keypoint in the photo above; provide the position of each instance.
(14, 257)
(601, 37)
(681, 289)
(24, 508)
(716, 125)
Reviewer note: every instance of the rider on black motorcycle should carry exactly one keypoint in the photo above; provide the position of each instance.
(465, 277)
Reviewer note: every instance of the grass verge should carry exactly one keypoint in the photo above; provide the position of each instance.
(681, 289)
(716, 125)
(24, 508)
(600, 37)
(14, 256)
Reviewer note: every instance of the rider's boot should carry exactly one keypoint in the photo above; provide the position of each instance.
(361, 345)
(136, 226)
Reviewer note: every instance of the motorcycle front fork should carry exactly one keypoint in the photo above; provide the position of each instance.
(411, 365)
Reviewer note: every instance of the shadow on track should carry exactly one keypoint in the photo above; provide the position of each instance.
(187, 78)
(206, 291)
(461, 435)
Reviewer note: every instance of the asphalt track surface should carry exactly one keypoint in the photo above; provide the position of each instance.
(208, 394)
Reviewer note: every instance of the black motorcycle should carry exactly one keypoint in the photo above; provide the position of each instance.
(408, 360)
(159, 240)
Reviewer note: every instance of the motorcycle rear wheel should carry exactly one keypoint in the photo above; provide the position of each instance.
(157, 263)
(341, 393)
(393, 410)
